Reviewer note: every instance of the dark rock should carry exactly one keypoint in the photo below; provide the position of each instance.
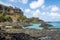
(46, 25)
(32, 34)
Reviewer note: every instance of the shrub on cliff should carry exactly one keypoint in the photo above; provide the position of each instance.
(8, 18)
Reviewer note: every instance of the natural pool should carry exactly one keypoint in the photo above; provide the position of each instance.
(34, 26)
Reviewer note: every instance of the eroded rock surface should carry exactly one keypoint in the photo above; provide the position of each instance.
(31, 34)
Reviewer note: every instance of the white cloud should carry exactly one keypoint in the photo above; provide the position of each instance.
(27, 10)
(49, 16)
(54, 8)
(6, 4)
(43, 7)
(21, 1)
(44, 13)
(24, 1)
(36, 4)
(36, 13)
(51, 8)
(54, 14)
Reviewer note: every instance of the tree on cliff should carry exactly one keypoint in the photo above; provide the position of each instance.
(22, 18)
(8, 18)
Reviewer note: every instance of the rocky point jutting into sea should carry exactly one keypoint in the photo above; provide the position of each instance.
(12, 22)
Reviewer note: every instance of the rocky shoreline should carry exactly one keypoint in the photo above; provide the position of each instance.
(30, 34)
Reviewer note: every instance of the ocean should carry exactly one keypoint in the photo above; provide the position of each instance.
(36, 26)
(55, 24)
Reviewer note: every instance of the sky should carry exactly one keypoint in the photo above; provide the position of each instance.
(47, 10)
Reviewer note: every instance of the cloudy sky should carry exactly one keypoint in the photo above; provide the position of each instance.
(48, 10)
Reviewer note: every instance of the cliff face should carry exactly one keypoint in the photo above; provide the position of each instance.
(10, 9)
(14, 13)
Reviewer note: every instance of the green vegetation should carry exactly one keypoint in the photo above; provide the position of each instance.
(10, 14)
(8, 18)
(21, 18)
(35, 20)
(7, 14)
(5, 18)
(2, 18)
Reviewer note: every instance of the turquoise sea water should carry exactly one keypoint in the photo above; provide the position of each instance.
(55, 24)
(36, 26)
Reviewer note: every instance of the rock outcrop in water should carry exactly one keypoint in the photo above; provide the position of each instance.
(46, 25)
(24, 34)
(13, 15)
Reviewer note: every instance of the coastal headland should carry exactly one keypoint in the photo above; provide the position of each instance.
(13, 21)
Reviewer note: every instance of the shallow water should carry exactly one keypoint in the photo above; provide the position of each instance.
(34, 26)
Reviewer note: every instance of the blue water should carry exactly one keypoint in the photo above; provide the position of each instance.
(36, 26)
(55, 24)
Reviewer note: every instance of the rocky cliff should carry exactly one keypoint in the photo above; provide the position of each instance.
(12, 12)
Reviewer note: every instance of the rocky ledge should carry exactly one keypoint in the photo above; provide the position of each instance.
(30, 34)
